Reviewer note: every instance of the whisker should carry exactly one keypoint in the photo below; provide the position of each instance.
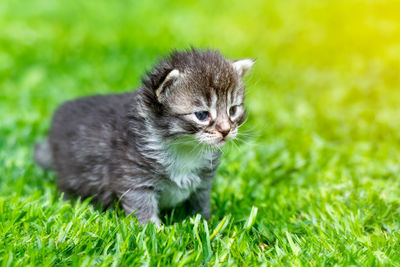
(235, 145)
(246, 142)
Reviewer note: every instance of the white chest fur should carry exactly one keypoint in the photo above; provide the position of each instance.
(183, 164)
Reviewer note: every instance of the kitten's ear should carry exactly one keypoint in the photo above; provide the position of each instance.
(242, 66)
(169, 80)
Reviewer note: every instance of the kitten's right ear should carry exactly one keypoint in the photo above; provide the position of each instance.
(242, 66)
(170, 79)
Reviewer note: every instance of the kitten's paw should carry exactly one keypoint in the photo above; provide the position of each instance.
(206, 215)
(156, 221)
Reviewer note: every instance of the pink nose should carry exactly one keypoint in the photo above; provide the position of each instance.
(224, 128)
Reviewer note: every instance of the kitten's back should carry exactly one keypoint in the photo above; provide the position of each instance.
(85, 125)
(79, 145)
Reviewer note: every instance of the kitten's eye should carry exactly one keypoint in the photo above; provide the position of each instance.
(202, 115)
(232, 110)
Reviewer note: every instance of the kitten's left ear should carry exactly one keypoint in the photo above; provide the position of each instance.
(242, 66)
(168, 82)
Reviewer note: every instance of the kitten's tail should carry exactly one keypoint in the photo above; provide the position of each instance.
(42, 155)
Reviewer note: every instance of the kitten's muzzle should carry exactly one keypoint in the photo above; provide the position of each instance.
(224, 128)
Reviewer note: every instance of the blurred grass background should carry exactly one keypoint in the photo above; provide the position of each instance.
(321, 150)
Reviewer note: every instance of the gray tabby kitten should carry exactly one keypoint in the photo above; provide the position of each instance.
(155, 147)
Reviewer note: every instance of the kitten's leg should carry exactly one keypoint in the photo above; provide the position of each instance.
(199, 201)
(143, 202)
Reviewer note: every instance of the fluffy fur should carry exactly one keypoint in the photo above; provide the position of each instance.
(150, 149)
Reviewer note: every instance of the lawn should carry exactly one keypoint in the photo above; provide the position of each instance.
(314, 179)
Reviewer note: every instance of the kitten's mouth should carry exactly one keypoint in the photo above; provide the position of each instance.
(221, 142)
(215, 141)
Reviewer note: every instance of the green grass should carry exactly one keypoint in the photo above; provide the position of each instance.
(315, 180)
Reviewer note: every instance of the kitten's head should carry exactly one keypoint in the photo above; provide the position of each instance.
(200, 93)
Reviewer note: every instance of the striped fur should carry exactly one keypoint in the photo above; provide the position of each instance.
(148, 149)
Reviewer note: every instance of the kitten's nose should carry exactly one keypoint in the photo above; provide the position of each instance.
(223, 127)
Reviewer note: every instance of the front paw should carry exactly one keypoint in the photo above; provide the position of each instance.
(153, 219)
(206, 215)
(156, 221)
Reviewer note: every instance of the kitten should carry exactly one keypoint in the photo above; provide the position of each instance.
(155, 147)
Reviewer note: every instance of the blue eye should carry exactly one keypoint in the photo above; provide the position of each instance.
(202, 115)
